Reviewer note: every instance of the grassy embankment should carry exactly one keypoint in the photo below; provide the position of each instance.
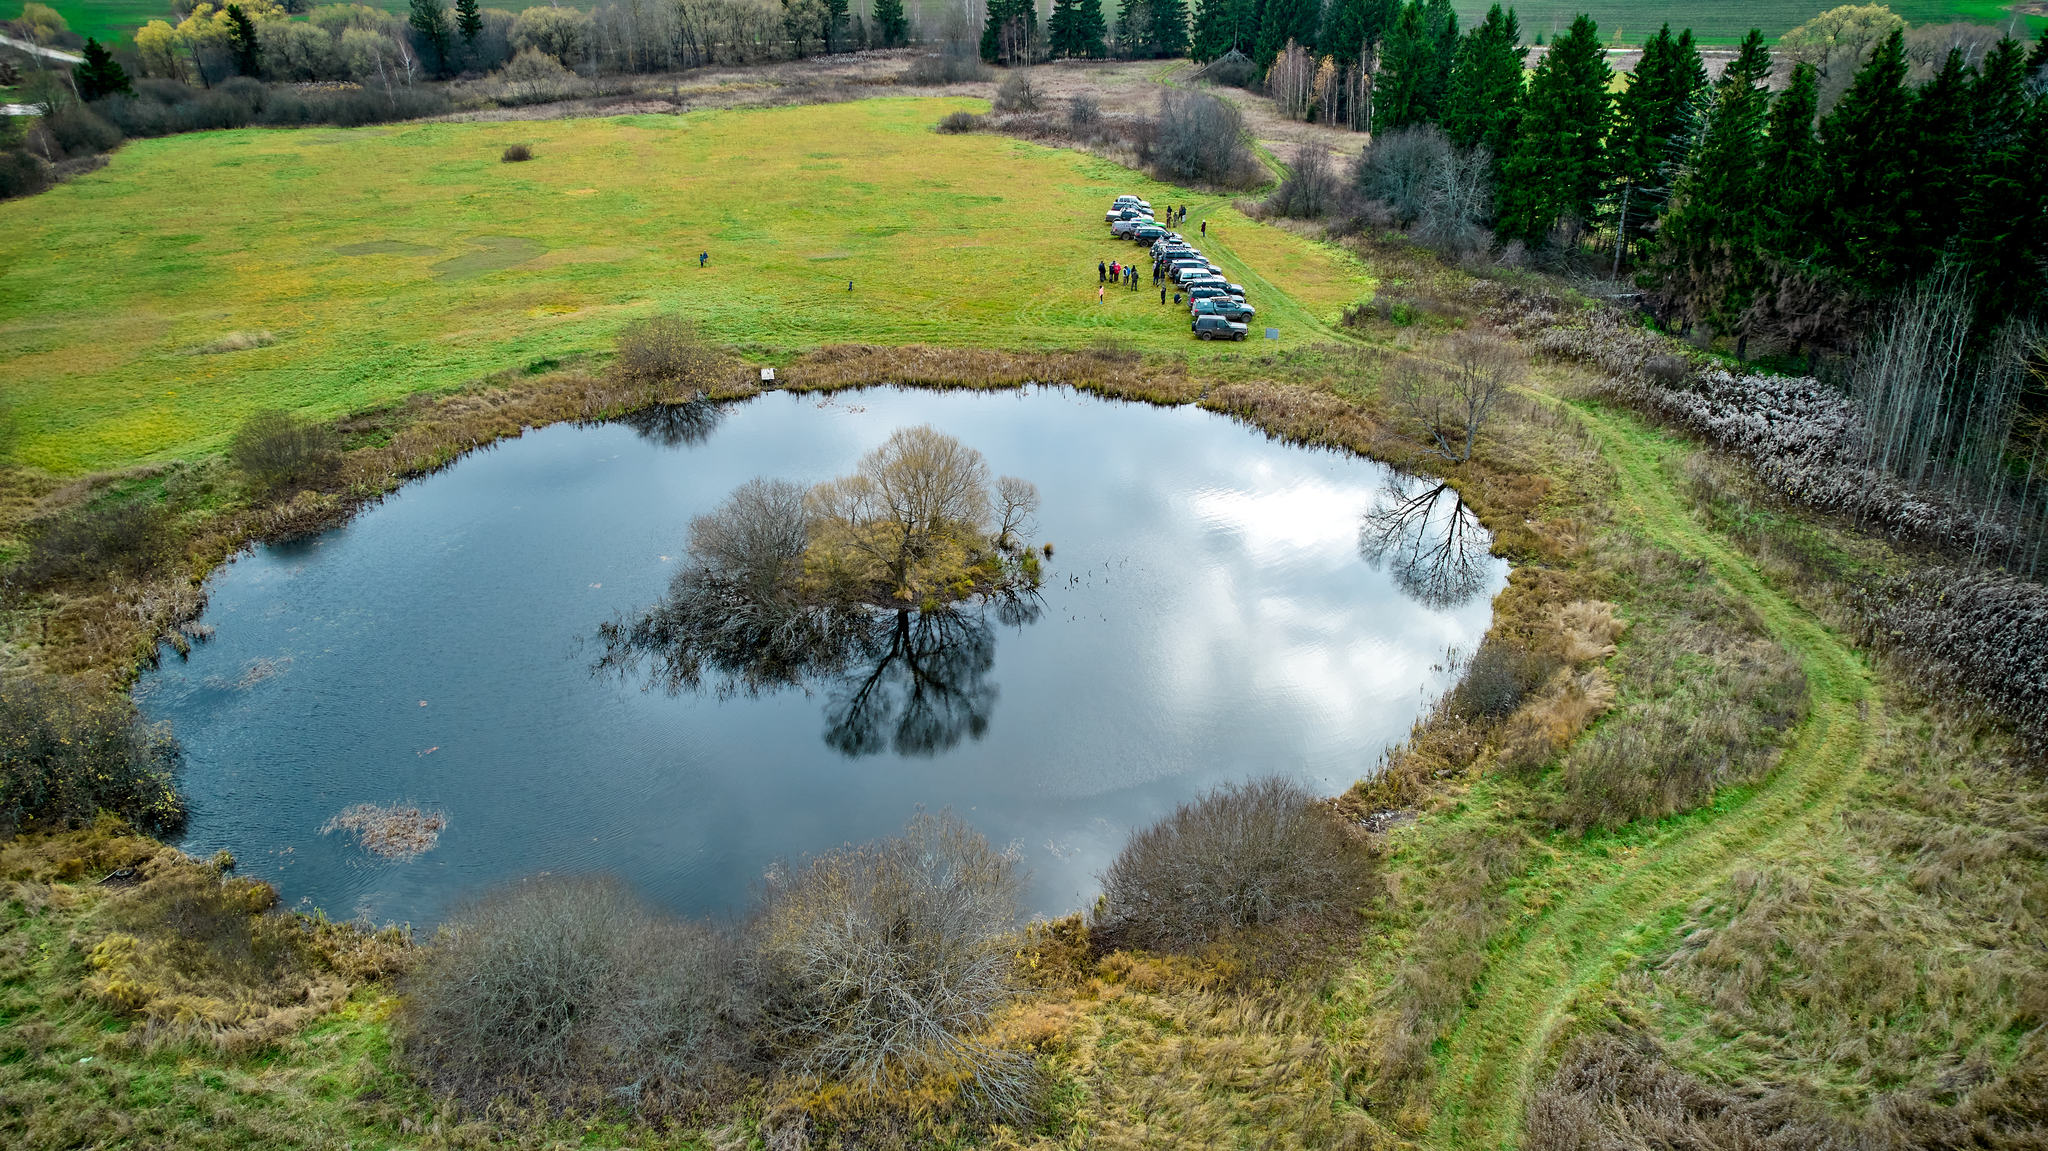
(384, 262)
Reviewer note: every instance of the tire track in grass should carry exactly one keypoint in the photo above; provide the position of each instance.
(1623, 903)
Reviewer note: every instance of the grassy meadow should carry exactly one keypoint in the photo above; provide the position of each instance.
(389, 260)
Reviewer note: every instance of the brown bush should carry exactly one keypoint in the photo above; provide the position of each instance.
(1498, 678)
(884, 963)
(666, 353)
(1263, 854)
(517, 153)
(569, 989)
(1016, 94)
(276, 449)
(957, 122)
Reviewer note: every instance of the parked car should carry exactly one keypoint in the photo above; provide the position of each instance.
(1218, 328)
(1185, 270)
(1172, 254)
(1128, 211)
(1197, 295)
(1146, 231)
(1229, 307)
(1126, 227)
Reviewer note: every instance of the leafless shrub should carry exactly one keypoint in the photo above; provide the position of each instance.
(1309, 189)
(570, 989)
(1263, 854)
(955, 123)
(517, 153)
(955, 64)
(276, 449)
(1397, 170)
(1497, 679)
(884, 963)
(1440, 192)
(1454, 398)
(1016, 94)
(1084, 115)
(1200, 137)
(665, 353)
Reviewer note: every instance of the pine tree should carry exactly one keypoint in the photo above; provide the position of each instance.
(1094, 30)
(1443, 37)
(1789, 172)
(99, 74)
(835, 23)
(1284, 20)
(469, 21)
(1558, 167)
(1864, 153)
(2038, 58)
(2001, 234)
(430, 20)
(890, 22)
(242, 42)
(1485, 94)
(1708, 258)
(1650, 119)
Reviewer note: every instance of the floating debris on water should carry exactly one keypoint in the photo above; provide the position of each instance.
(392, 832)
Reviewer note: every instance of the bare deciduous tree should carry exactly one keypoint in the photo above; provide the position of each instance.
(1432, 543)
(1453, 398)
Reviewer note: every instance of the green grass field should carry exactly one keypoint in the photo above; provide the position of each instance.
(1727, 21)
(391, 260)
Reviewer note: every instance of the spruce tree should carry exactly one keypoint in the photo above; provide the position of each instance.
(1789, 172)
(1133, 28)
(1485, 94)
(1010, 31)
(1075, 28)
(835, 23)
(1093, 31)
(242, 42)
(1650, 121)
(890, 22)
(99, 74)
(1942, 162)
(1558, 166)
(2001, 235)
(1708, 260)
(1170, 28)
(430, 20)
(1061, 36)
(1443, 37)
(1864, 142)
(1284, 20)
(469, 21)
(1222, 26)
(1407, 65)
(1351, 27)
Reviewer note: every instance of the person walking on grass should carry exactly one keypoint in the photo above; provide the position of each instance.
(1205, 229)
(1162, 293)
(701, 257)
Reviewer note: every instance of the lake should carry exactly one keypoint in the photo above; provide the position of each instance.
(1207, 615)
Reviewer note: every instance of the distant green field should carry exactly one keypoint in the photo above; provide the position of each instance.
(1727, 21)
(1714, 21)
(386, 261)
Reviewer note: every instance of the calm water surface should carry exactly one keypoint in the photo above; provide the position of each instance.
(1207, 616)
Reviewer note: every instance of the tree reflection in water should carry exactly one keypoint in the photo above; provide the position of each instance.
(676, 425)
(913, 681)
(1430, 542)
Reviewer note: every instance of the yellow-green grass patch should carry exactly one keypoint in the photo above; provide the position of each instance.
(387, 261)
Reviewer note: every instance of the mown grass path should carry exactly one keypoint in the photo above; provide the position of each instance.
(1618, 903)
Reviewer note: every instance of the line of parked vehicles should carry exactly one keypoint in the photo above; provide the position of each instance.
(1217, 306)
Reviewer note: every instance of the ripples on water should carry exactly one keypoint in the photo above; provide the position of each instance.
(1218, 606)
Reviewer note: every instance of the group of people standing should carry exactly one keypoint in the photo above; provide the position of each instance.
(1113, 271)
